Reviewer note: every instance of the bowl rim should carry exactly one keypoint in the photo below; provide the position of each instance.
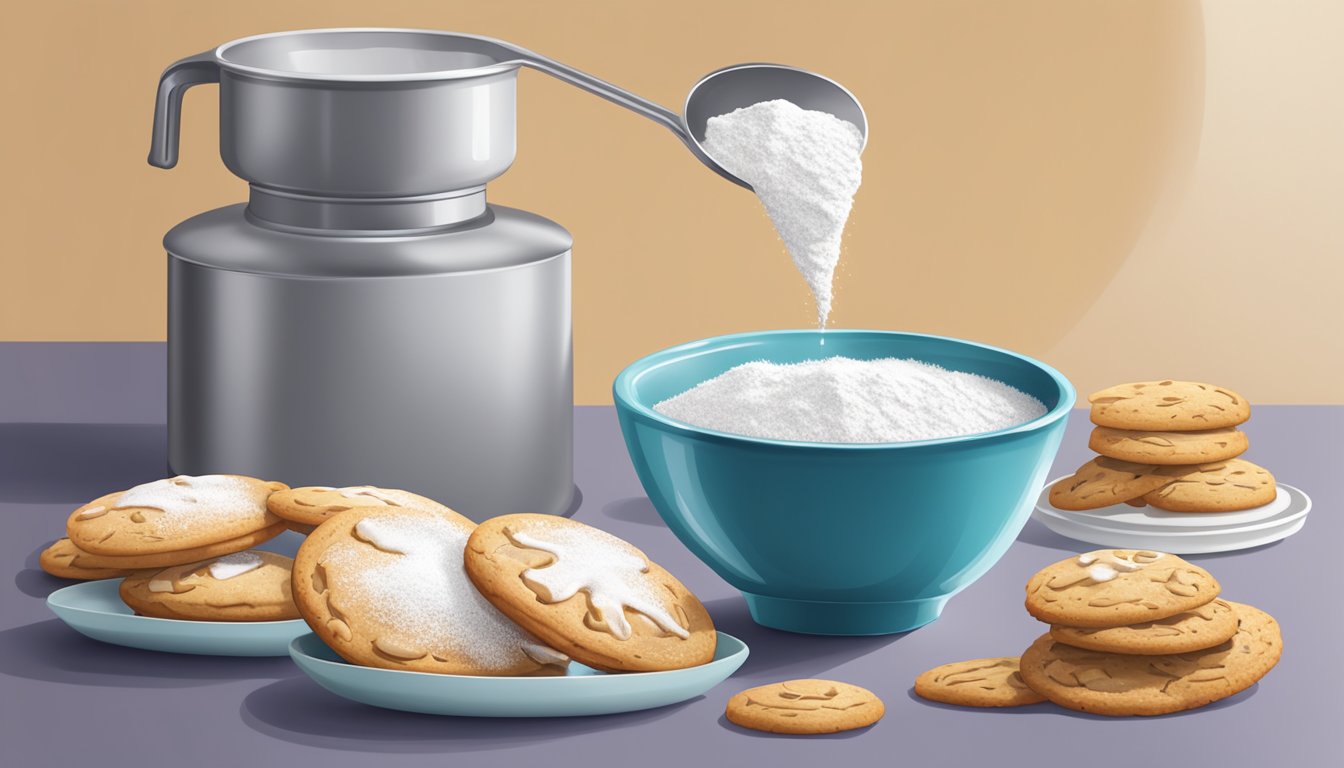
(623, 391)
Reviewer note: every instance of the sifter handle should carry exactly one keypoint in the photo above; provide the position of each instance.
(173, 83)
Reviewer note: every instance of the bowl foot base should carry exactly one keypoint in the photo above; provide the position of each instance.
(813, 617)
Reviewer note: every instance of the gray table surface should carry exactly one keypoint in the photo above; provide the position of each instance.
(77, 420)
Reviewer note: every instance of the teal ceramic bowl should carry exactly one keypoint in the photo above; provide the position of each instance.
(840, 539)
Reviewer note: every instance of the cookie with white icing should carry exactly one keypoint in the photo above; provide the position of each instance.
(1124, 684)
(66, 560)
(386, 587)
(243, 586)
(173, 514)
(1117, 587)
(308, 507)
(589, 594)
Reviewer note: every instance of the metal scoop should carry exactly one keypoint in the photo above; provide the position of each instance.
(717, 93)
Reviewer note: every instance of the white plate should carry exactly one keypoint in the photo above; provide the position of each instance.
(1181, 533)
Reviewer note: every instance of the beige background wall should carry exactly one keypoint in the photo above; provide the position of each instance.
(1126, 189)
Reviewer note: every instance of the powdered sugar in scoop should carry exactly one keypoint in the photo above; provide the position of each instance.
(842, 400)
(186, 500)
(804, 166)
(423, 599)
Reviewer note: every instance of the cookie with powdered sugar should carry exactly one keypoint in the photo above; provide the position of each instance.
(176, 513)
(303, 509)
(243, 586)
(589, 594)
(1117, 587)
(386, 587)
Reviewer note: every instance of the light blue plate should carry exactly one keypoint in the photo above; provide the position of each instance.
(584, 691)
(95, 609)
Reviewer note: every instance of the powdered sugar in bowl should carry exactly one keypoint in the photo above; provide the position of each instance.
(856, 538)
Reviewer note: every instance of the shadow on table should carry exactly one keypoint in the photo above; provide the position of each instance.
(1046, 709)
(52, 652)
(786, 654)
(634, 509)
(299, 711)
(729, 725)
(47, 463)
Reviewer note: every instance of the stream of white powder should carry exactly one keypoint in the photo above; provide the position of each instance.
(804, 166)
(842, 400)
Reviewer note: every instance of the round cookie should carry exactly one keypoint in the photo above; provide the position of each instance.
(385, 587)
(1165, 448)
(64, 560)
(1218, 487)
(1103, 481)
(308, 507)
(978, 683)
(1118, 684)
(173, 514)
(1117, 587)
(1193, 630)
(243, 586)
(1169, 406)
(589, 594)
(805, 707)
(64, 551)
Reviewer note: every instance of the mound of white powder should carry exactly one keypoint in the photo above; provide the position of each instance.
(804, 166)
(842, 400)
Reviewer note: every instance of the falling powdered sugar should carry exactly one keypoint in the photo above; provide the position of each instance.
(842, 400)
(804, 166)
(423, 599)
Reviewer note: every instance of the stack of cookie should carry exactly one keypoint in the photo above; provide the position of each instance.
(182, 544)
(394, 580)
(1171, 444)
(1132, 633)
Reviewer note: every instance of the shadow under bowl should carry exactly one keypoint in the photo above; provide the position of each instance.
(840, 539)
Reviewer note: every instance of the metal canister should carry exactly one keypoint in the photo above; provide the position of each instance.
(366, 317)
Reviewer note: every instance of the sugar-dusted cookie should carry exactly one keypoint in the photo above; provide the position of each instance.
(243, 586)
(1118, 684)
(1117, 587)
(173, 514)
(308, 507)
(1193, 630)
(589, 594)
(1222, 486)
(1148, 447)
(977, 683)
(1170, 406)
(1103, 481)
(64, 560)
(805, 707)
(385, 587)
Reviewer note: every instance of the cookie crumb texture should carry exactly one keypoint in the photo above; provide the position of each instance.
(589, 594)
(1218, 487)
(385, 587)
(805, 707)
(995, 682)
(1193, 630)
(1116, 587)
(1168, 405)
(1120, 685)
(244, 586)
